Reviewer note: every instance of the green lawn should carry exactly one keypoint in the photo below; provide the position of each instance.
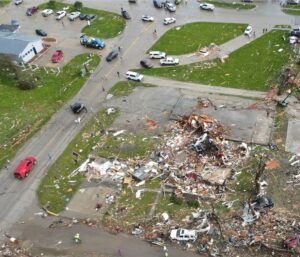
(283, 26)
(24, 112)
(105, 25)
(136, 209)
(188, 38)
(4, 2)
(55, 187)
(292, 6)
(291, 9)
(254, 66)
(233, 5)
(127, 145)
(124, 88)
(295, 12)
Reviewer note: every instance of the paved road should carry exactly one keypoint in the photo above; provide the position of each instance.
(16, 197)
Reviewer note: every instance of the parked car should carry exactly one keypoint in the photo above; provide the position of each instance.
(177, 2)
(125, 14)
(171, 7)
(47, 12)
(73, 15)
(169, 61)
(169, 20)
(247, 1)
(146, 64)
(157, 55)
(31, 10)
(248, 30)
(91, 42)
(60, 15)
(158, 3)
(147, 18)
(183, 235)
(112, 55)
(41, 32)
(134, 76)
(57, 56)
(17, 2)
(207, 7)
(82, 16)
(24, 167)
(90, 17)
(132, 1)
(78, 108)
(294, 40)
(295, 32)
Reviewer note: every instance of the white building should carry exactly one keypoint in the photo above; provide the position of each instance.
(21, 48)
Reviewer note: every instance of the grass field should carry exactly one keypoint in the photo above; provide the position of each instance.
(233, 5)
(55, 187)
(254, 66)
(295, 12)
(105, 25)
(188, 38)
(4, 2)
(124, 88)
(24, 112)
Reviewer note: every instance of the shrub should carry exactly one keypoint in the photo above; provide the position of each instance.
(193, 203)
(176, 200)
(27, 81)
(78, 5)
(51, 4)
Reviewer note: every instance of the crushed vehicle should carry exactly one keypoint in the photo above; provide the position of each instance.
(91, 42)
(181, 234)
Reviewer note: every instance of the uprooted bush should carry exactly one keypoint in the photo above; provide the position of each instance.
(27, 82)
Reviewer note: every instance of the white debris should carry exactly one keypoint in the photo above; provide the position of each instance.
(102, 168)
(119, 132)
(109, 96)
(138, 193)
(109, 111)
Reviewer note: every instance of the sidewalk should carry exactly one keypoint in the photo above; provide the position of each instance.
(162, 82)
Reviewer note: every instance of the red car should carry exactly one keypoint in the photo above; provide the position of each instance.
(24, 167)
(31, 10)
(57, 56)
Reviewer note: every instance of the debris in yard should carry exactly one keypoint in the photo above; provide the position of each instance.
(150, 123)
(272, 164)
(110, 111)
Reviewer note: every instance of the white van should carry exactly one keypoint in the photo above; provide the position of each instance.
(134, 76)
(157, 55)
